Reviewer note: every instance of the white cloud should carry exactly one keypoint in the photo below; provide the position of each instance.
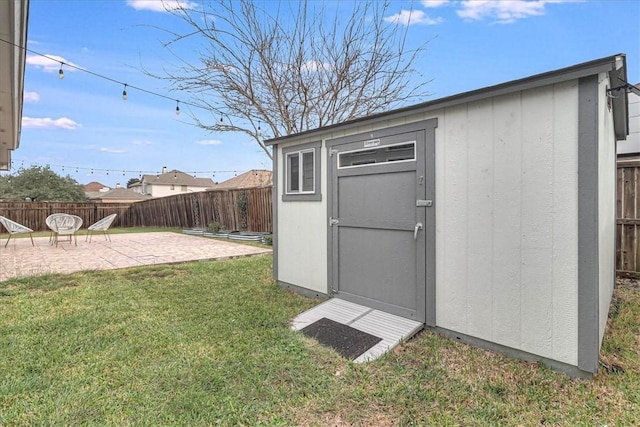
(412, 17)
(31, 96)
(141, 142)
(210, 142)
(111, 150)
(160, 5)
(49, 123)
(434, 3)
(503, 12)
(49, 63)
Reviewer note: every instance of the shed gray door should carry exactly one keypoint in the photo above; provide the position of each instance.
(378, 211)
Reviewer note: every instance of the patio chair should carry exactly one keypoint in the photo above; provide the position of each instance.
(50, 221)
(15, 228)
(64, 225)
(101, 226)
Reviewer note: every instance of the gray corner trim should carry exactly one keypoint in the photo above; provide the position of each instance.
(302, 291)
(513, 353)
(332, 187)
(274, 209)
(588, 260)
(430, 224)
(306, 197)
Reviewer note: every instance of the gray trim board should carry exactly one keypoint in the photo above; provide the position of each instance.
(274, 209)
(512, 353)
(430, 223)
(302, 291)
(588, 260)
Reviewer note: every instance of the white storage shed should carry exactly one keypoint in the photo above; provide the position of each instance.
(488, 216)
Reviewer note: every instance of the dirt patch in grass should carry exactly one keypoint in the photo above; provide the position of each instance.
(628, 283)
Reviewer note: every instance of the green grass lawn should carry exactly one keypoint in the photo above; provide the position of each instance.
(208, 343)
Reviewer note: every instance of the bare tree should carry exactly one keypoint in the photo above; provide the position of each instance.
(292, 68)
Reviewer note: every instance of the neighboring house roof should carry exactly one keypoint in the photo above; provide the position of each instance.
(250, 179)
(175, 177)
(94, 187)
(117, 194)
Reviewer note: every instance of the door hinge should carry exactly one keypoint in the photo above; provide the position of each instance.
(333, 221)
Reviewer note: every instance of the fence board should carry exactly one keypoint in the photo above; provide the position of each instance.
(242, 210)
(628, 218)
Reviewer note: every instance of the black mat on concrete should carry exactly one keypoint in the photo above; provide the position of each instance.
(347, 341)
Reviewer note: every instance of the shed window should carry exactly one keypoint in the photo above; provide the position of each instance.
(302, 172)
(371, 156)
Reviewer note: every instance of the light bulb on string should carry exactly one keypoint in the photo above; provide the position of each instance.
(60, 72)
(124, 93)
(177, 107)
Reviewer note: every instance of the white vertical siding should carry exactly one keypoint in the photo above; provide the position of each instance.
(507, 199)
(452, 216)
(565, 227)
(507, 232)
(479, 224)
(606, 203)
(537, 220)
(302, 235)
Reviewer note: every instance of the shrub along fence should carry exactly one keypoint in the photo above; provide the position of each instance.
(243, 209)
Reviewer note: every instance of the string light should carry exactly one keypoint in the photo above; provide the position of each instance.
(79, 169)
(177, 107)
(124, 93)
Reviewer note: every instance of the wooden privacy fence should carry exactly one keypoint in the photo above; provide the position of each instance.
(628, 216)
(243, 209)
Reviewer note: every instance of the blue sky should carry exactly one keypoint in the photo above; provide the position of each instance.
(81, 127)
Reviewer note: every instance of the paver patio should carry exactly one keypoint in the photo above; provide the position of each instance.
(20, 258)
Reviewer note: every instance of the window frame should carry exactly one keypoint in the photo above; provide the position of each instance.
(300, 150)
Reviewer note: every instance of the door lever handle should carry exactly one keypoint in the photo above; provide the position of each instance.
(415, 230)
